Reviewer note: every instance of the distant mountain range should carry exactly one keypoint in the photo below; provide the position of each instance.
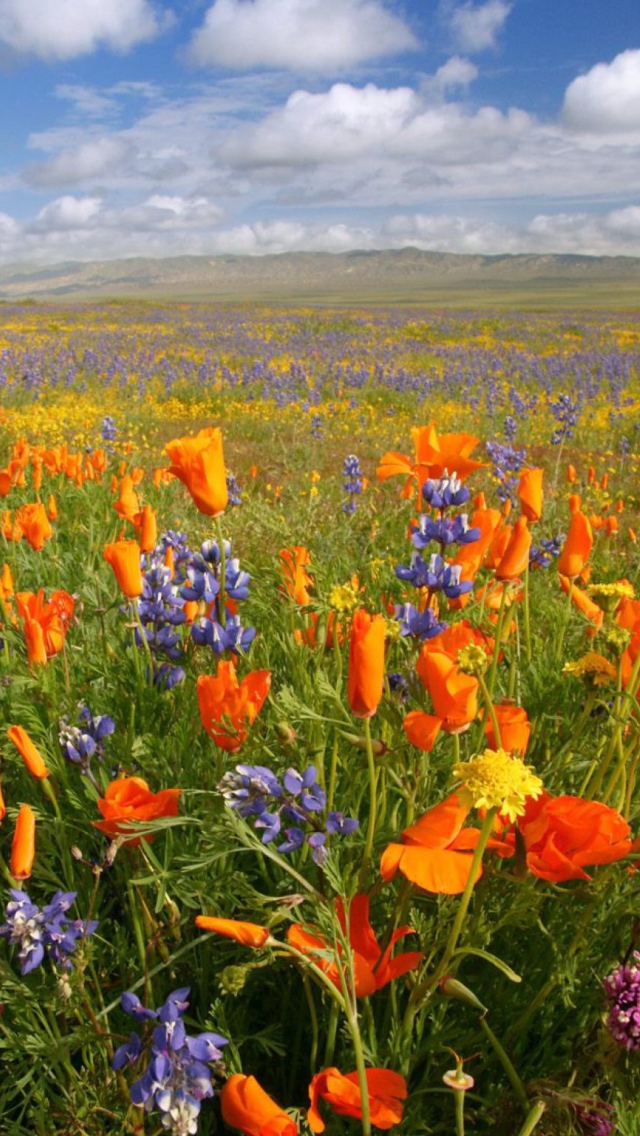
(408, 275)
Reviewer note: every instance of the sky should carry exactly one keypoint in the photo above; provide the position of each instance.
(145, 128)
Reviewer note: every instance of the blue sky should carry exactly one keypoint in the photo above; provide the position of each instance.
(135, 127)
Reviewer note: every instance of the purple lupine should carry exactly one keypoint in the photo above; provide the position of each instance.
(36, 932)
(294, 807)
(177, 1078)
(353, 483)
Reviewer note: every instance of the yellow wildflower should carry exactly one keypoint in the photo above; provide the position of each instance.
(496, 779)
(593, 667)
(343, 598)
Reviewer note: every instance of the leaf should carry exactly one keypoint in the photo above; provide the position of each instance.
(493, 959)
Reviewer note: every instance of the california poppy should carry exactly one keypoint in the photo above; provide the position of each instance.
(29, 753)
(124, 558)
(433, 455)
(248, 934)
(247, 1107)
(23, 847)
(373, 967)
(147, 528)
(293, 565)
(454, 695)
(366, 663)
(228, 708)
(530, 493)
(563, 834)
(387, 1093)
(45, 622)
(515, 558)
(127, 504)
(128, 800)
(583, 602)
(34, 525)
(437, 852)
(514, 725)
(199, 463)
(577, 547)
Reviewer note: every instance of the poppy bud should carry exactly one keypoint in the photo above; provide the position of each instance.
(28, 752)
(23, 847)
(124, 558)
(455, 989)
(366, 663)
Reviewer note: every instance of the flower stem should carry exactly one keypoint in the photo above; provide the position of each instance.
(506, 1063)
(222, 598)
(534, 1116)
(373, 806)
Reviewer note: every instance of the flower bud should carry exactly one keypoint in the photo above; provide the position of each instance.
(455, 989)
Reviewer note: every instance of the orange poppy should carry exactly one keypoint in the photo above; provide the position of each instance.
(514, 725)
(471, 556)
(248, 934)
(127, 504)
(437, 852)
(228, 708)
(33, 522)
(52, 508)
(3, 807)
(515, 558)
(293, 566)
(23, 847)
(563, 834)
(28, 752)
(366, 663)
(583, 602)
(247, 1107)
(146, 526)
(530, 493)
(454, 696)
(571, 474)
(433, 455)
(128, 800)
(577, 547)
(199, 463)
(387, 1094)
(373, 967)
(45, 622)
(124, 558)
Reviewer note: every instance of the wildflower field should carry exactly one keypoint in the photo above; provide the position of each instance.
(319, 673)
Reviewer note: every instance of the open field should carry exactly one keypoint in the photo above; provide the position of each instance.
(341, 819)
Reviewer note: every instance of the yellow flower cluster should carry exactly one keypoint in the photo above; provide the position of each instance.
(496, 779)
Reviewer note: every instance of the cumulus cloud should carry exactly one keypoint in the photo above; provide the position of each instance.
(89, 161)
(456, 72)
(63, 29)
(87, 229)
(606, 99)
(475, 27)
(298, 35)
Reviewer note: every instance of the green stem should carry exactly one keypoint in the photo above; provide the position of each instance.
(527, 619)
(222, 598)
(534, 1116)
(373, 806)
(491, 710)
(459, 1095)
(498, 641)
(314, 1021)
(332, 1030)
(566, 620)
(506, 1063)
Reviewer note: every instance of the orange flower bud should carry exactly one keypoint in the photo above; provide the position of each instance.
(124, 558)
(199, 463)
(3, 807)
(577, 546)
(147, 529)
(248, 934)
(34, 638)
(591, 476)
(28, 752)
(23, 848)
(604, 481)
(52, 508)
(530, 493)
(366, 663)
(516, 556)
(571, 474)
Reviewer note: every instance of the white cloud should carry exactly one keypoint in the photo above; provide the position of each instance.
(85, 229)
(456, 72)
(475, 27)
(89, 161)
(607, 99)
(299, 35)
(63, 29)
